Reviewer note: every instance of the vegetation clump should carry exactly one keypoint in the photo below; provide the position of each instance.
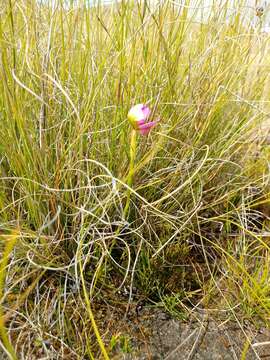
(88, 230)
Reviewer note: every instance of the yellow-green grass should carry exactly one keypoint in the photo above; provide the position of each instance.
(197, 224)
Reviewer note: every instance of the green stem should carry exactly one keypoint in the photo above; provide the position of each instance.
(91, 316)
(133, 145)
(9, 245)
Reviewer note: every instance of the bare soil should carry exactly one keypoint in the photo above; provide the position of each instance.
(199, 338)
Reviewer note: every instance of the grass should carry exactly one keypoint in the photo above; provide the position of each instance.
(197, 226)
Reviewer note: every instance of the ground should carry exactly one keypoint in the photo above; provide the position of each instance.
(201, 337)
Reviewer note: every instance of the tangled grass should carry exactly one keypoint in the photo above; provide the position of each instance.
(197, 231)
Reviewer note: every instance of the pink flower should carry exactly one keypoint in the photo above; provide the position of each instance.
(138, 116)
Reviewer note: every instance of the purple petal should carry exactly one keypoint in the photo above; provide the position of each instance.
(146, 111)
(145, 128)
(141, 122)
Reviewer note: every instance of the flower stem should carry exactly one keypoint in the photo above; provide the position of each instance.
(133, 145)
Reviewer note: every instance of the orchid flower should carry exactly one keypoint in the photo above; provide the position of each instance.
(138, 116)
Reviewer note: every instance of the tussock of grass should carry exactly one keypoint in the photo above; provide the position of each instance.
(198, 221)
